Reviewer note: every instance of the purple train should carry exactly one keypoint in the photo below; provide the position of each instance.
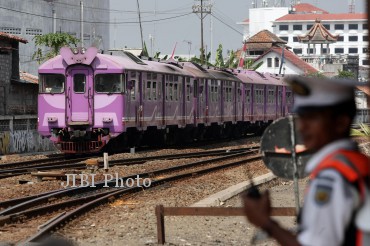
(89, 101)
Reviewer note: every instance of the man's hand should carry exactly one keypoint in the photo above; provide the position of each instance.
(258, 210)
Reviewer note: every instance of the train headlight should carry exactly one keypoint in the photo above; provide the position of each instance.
(83, 50)
(75, 51)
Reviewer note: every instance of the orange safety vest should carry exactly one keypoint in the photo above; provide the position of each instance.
(355, 168)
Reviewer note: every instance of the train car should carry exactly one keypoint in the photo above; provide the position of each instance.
(89, 101)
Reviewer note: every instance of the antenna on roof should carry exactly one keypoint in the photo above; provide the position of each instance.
(173, 52)
(351, 6)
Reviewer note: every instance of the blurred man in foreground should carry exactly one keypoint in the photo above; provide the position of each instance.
(338, 171)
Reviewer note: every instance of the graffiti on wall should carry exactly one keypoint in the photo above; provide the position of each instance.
(23, 141)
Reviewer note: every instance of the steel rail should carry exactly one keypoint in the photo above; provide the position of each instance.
(71, 163)
(77, 190)
(62, 220)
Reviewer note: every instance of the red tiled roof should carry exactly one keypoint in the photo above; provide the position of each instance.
(29, 77)
(265, 36)
(12, 37)
(293, 58)
(308, 8)
(365, 89)
(313, 17)
(318, 34)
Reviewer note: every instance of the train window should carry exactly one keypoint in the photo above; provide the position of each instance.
(133, 89)
(195, 88)
(79, 82)
(216, 94)
(239, 94)
(188, 89)
(109, 83)
(248, 96)
(154, 91)
(148, 90)
(175, 92)
(51, 83)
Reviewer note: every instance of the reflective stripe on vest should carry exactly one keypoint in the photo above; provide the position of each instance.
(354, 167)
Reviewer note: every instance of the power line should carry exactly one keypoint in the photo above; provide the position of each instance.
(97, 22)
(227, 24)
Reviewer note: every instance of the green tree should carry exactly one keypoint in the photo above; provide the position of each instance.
(54, 41)
(231, 62)
(345, 74)
(219, 57)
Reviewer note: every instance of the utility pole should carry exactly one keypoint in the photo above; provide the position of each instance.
(202, 11)
(141, 28)
(189, 43)
(82, 23)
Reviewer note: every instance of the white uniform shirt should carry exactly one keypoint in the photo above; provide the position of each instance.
(329, 202)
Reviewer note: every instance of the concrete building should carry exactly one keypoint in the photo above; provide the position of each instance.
(351, 28)
(274, 61)
(18, 102)
(28, 18)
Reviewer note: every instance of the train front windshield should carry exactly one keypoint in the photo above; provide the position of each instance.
(51, 83)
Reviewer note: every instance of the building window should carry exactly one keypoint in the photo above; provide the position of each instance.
(310, 51)
(11, 30)
(283, 27)
(352, 26)
(340, 38)
(285, 38)
(327, 26)
(365, 50)
(364, 27)
(365, 38)
(366, 62)
(339, 26)
(338, 50)
(324, 50)
(269, 62)
(297, 27)
(353, 50)
(297, 51)
(353, 38)
(277, 62)
(33, 31)
(295, 39)
(309, 26)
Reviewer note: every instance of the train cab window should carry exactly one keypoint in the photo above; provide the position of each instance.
(51, 83)
(79, 83)
(109, 83)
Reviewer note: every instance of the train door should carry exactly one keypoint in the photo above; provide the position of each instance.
(189, 108)
(133, 99)
(202, 104)
(172, 99)
(79, 96)
(239, 114)
(247, 102)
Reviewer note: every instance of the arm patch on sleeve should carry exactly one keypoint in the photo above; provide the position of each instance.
(322, 194)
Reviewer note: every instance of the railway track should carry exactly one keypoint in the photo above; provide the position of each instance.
(91, 197)
(55, 164)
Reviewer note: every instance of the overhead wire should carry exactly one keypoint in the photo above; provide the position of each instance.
(223, 22)
(97, 22)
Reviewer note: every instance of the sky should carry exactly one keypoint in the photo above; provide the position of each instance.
(175, 24)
